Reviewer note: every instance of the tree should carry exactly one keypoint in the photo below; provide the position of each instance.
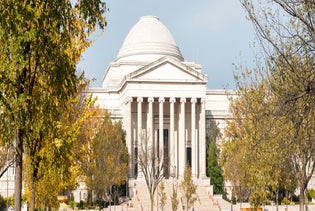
(110, 165)
(83, 150)
(285, 29)
(151, 166)
(256, 151)
(214, 170)
(189, 188)
(41, 43)
(56, 150)
(174, 197)
(162, 196)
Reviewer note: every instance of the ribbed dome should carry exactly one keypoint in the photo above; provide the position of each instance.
(148, 40)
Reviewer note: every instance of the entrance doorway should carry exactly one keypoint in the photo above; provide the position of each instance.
(165, 152)
(188, 158)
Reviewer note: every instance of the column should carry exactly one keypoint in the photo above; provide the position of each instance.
(182, 139)
(129, 140)
(202, 140)
(161, 129)
(150, 131)
(172, 140)
(193, 138)
(139, 125)
(139, 131)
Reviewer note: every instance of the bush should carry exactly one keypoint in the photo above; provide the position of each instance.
(295, 198)
(3, 203)
(72, 204)
(310, 194)
(285, 201)
(82, 205)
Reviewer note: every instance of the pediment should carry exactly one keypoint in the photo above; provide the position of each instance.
(168, 70)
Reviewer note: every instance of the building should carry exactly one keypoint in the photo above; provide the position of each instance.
(160, 96)
(156, 93)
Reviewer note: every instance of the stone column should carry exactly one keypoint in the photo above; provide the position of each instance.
(139, 122)
(139, 131)
(202, 140)
(193, 138)
(172, 151)
(129, 140)
(182, 139)
(161, 129)
(150, 131)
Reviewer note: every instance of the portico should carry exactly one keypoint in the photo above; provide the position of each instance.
(160, 99)
(171, 125)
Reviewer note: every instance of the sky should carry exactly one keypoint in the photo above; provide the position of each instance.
(213, 33)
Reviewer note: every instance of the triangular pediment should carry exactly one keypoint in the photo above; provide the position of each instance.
(168, 70)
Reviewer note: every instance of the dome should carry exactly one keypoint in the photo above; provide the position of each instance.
(148, 40)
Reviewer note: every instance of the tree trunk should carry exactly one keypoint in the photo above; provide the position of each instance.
(277, 200)
(18, 169)
(302, 199)
(32, 197)
(303, 185)
(152, 200)
(302, 194)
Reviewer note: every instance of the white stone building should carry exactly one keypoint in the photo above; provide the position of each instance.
(154, 91)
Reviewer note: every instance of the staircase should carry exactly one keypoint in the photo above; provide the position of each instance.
(141, 200)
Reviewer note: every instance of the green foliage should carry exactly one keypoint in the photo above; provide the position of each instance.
(310, 194)
(214, 170)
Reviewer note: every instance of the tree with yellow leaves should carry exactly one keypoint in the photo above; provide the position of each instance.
(41, 43)
(109, 167)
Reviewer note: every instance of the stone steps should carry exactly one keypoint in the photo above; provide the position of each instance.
(141, 200)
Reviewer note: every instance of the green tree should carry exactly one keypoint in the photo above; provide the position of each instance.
(189, 188)
(214, 170)
(42, 43)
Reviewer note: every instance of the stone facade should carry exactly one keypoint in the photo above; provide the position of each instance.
(155, 92)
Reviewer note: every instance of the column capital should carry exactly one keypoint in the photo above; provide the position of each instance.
(161, 99)
(128, 100)
(140, 99)
(172, 100)
(203, 100)
(183, 100)
(150, 99)
(193, 100)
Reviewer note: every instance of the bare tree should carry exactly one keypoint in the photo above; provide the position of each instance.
(151, 166)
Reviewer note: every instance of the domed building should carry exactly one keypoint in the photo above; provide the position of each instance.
(160, 96)
(163, 103)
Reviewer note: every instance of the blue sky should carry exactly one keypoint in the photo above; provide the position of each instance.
(213, 33)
